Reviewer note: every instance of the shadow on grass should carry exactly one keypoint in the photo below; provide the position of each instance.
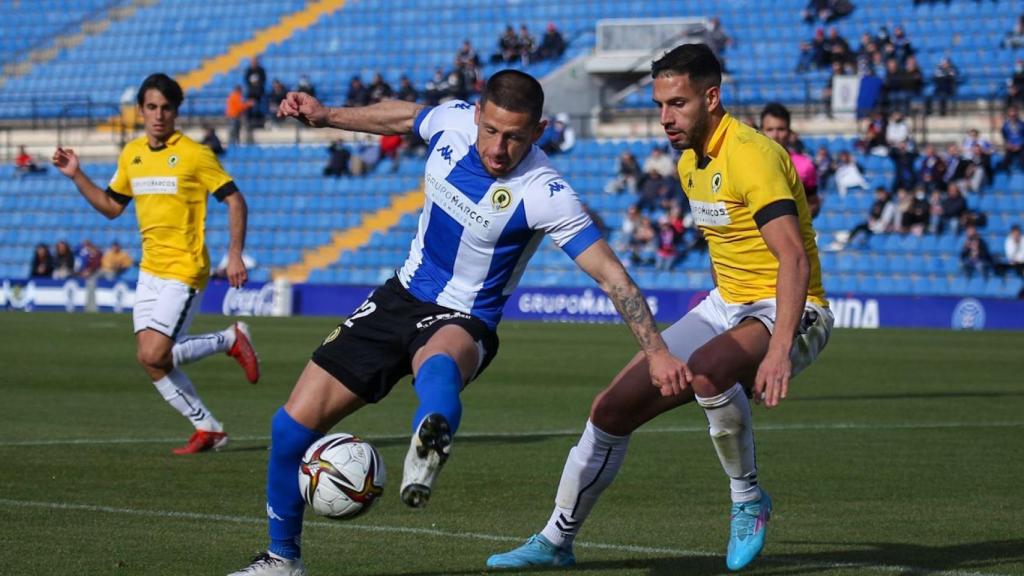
(911, 396)
(888, 557)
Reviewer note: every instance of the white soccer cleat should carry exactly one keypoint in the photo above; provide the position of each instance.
(428, 451)
(267, 564)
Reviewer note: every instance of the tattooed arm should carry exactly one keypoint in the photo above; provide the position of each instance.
(667, 371)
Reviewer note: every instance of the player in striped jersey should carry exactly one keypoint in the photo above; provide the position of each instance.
(490, 197)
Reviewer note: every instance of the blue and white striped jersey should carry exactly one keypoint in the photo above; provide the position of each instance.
(477, 232)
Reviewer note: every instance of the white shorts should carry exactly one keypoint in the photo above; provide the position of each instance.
(166, 306)
(713, 316)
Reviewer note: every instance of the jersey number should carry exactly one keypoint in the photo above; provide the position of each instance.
(365, 309)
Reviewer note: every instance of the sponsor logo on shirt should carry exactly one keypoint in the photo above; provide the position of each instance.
(155, 185)
(709, 213)
(455, 203)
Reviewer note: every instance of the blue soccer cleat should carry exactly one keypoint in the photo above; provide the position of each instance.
(538, 551)
(747, 529)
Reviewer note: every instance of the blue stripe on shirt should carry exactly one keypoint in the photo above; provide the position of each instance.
(469, 176)
(419, 120)
(441, 242)
(582, 241)
(514, 239)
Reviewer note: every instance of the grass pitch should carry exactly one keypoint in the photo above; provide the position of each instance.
(899, 452)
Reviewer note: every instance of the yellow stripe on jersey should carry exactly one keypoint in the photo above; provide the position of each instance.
(171, 186)
(743, 172)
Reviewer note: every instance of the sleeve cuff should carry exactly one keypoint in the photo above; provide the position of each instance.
(774, 210)
(225, 191)
(418, 123)
(582, 241)
(119, 198)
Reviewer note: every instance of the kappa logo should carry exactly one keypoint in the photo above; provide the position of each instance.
(555, 186)
(172, 161)
(501, 199)
(689, 181)
(137, 160)
(462, 105)
(716, 182)
(446, 153)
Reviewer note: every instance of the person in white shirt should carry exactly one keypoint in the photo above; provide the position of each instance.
(1013, 248)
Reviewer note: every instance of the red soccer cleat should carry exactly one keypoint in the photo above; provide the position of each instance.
(243, 353)
(201, 441)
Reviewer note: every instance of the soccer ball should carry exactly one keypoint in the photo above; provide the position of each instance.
(341, 476)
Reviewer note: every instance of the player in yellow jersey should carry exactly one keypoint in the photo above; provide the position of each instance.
(766, 320)
(169, 175)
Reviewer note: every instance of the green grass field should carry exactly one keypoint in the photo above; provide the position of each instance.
(898, 453)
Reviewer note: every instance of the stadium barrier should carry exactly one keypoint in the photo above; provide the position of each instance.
(547, 304)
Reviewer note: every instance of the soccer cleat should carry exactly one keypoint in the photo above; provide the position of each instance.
(747, 529)
(428, 451)
(537, 551)
(244, 353)
(201, 441)
(266, 564)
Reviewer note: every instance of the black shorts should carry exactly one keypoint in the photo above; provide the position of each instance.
(373, 349)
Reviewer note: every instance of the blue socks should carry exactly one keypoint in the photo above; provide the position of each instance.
(288, 442)
(437, 385)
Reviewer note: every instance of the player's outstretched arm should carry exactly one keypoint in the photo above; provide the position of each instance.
(388, 117)
(667, 372)
(238, 212)
(782, 235)
(67, 164)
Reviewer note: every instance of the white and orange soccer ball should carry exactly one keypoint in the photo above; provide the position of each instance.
(341, 476)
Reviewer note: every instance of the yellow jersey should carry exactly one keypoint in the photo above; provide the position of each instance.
(743, 172)
(170, 187)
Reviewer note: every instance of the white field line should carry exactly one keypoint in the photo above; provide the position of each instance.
(654, 551)
(549, 433)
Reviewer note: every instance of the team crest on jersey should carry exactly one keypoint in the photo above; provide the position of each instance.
(716, 182)
(172, 161)
(501, 199)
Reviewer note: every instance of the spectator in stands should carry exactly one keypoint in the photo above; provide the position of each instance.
(934, 210)
(211, 140)
(115, 261)
(875, 129)
(931, 170)
(826, 92)
(508, 46)
(915, 218)
(558, 137)
(901, 46)
(1015, 37)
(338, 160)
(459, 82)
(913, 78)
(954, 210)
(470, 61)
(88, 260)
(813, 54)
(25, 164)
(955, 165)
(848, 174)
(436, 89)
(945, 80)
(42, 262)
(527, 44)
(865, 54)
(837, 48)
(978, 151)
(897, 131)
(236, 109)
(63, 260)
(380, 90)
(305, 85)
(391, 148)
(630, 222)
(1013, 249)
(717, 39)
(775, 123)
(277, 93)
(255, 78)
(896, 87)
(824, 166)
(667, 253)
(406, 91)
(1015, 85)
(903, 161)
(357, 95)
(659, 162)
(1013, 139)
(627, 175)
(882, 218)
(642, 243)
(974, 255)
(365, 159)
(552, 45)
(826, 10)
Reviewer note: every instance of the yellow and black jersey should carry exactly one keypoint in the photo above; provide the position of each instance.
(170, 187)
(744, 181)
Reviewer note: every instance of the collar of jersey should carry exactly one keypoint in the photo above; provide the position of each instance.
(715, 143)
(170, 142)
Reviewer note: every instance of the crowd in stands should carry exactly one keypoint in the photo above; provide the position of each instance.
(85, 262)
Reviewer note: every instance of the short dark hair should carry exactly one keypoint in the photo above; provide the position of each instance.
(775, 110)
(695, 60)
(165, 85)
(514, 91)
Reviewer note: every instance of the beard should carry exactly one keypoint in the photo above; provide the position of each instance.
(696, 134)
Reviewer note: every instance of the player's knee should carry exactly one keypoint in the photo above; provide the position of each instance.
(708, 377)
(153, 357)
(606, 414)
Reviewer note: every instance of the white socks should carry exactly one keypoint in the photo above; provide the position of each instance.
(179, 392)
(197, 347)
(590, 468)
(729, 422)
